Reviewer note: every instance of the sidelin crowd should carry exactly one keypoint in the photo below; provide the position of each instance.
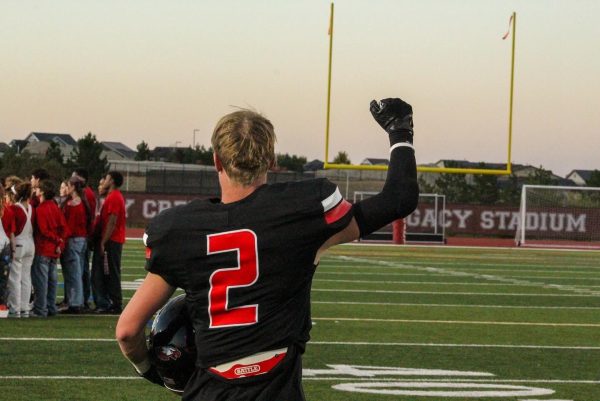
(43, 227)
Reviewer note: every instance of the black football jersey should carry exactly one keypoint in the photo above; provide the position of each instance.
(247, 266)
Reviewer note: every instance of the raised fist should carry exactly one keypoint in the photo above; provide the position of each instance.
(395, 116)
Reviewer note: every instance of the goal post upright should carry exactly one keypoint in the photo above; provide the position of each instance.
(423, 169)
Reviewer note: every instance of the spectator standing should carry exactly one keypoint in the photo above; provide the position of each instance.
(85, 270)
(49, 234)
(106, 266)
(8, 218)
(20, 269)
(5, 253)
(37, 176)
(78, 217)
(61, 201)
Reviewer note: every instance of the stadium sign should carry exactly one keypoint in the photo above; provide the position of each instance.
(498, 220)
(459, 219)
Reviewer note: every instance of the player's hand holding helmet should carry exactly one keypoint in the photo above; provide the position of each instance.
(172, 345)
(152, 376)
(395, 116)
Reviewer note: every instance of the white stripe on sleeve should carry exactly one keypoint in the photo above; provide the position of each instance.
(332, 200)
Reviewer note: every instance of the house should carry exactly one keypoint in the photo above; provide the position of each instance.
(117, 151)
(580, 177)
(314, 165)
(61, 139)
(37, 143)
(371, 161)
(18, 144)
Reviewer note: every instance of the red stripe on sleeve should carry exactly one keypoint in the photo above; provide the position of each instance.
(338, 212)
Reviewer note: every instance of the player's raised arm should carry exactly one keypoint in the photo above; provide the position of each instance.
(400, 193)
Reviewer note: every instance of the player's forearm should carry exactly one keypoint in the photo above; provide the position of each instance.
(133, 347)
(398, 198)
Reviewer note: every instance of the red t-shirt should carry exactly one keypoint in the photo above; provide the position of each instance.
(8, 221)
(114, 204)
(76, 218)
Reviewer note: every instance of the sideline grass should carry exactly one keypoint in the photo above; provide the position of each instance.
(398, 307)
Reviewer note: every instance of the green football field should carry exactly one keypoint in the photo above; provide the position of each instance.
(390, 323)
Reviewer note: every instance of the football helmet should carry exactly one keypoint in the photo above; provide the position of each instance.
(172, 346)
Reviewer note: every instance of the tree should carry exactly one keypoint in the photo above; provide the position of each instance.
(24, 163)
(87, 155)
(204, 156)
(510, 191)
(291, 162)
(342, 158)
(594, 180)
(143, 151)
(454, 186)
(54, 153)
(541, 176)
(424, 186)
(484, 189)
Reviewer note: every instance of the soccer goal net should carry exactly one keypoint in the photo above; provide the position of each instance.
(559, 216)
(426, 224)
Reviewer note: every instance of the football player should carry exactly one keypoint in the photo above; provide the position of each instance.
(246, 261)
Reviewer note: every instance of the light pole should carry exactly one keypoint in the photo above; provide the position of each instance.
(194, 141)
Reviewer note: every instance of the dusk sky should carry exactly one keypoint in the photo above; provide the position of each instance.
(156, 70)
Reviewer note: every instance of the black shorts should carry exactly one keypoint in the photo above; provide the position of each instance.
(282, 383)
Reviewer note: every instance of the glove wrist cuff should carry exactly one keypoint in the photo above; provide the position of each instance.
(399, 136)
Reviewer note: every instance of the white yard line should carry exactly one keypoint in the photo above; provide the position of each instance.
(420, 268)
(515, 294)
(487, 277)
(350, 343)
(474, 322)
(377, 379)
(441, 345)
(454, 305)
(498, 248)
(436, 283)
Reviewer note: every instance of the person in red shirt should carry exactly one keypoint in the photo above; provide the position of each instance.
(37, 176)
(49, 236)
(19, 290)
(106, 265)
(78, 217)
(6, 232)
(91, 198)
(8, 217)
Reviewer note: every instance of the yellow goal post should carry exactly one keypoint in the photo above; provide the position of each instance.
(425, 169)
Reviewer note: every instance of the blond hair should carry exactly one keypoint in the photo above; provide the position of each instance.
(244, 142)
(10, 183)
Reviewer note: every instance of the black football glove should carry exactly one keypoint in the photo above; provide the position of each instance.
(152, 376)
(395, 117)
